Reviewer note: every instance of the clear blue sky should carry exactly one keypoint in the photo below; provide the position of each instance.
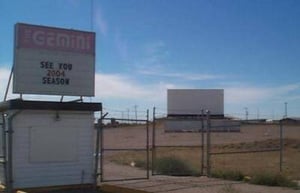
(250, 48)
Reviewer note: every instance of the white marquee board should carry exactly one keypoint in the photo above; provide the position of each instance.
(53, 61)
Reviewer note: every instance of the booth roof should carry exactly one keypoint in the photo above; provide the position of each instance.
(18, 104)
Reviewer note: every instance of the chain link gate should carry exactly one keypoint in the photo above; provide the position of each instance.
(114, 142)
(164, 149)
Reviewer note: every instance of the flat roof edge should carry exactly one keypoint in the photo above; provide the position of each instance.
(18, 104)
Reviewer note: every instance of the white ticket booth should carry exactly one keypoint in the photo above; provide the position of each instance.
(47, 143)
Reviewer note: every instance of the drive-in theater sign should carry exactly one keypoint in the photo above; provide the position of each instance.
(53, 61)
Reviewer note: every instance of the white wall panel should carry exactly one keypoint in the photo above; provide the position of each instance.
(30, 169)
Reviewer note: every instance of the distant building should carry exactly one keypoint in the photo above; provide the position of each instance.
(291, 120)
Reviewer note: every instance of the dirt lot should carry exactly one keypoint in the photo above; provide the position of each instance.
(135, 136)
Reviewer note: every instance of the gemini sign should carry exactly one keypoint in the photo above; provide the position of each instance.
(53, 61)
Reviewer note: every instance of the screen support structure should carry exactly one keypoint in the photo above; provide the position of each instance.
(8, 84)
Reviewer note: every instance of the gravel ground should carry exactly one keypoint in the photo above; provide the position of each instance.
(170, 184)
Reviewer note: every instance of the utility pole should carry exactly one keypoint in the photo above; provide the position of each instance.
(128, 115)
(246, 113)
(285, 109)
(135, 111)
(257, 113)
(122, 113)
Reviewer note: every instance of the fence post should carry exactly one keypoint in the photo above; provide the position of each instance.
(148, 164)
(4, 148)
(101, 145)
(10, 131)
(208, 143)
(281, 146)
(202, 141)
(99, 122)
(153, 143)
